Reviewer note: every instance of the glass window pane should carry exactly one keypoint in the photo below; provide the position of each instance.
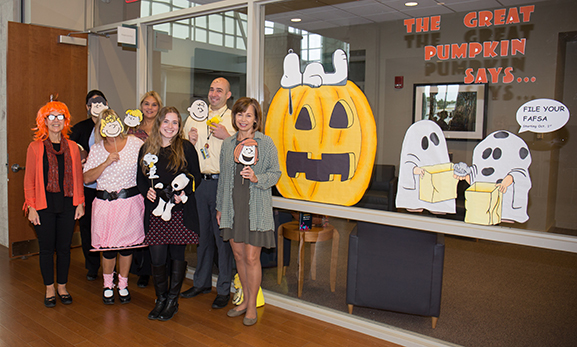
(158, 8)
(182, 3)
(240, 43)
(229, 41)
(144, 8)
(215, 22)
(184, 21)
(229, 25)
(315, 41)
(215, 38)
(200, 22)
(200, 35)
(180, 31)
(165, 27)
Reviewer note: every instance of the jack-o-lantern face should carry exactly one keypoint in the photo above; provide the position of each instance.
(326, 139)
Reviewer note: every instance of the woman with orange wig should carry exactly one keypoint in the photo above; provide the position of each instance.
(53, 189)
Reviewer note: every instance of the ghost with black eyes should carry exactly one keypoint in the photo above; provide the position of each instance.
(503, 158)
(424, 145)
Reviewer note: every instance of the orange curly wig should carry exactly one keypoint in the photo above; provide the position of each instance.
(41, 128)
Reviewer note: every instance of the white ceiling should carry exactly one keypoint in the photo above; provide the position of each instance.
(375, 11)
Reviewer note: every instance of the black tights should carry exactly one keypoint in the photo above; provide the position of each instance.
(160, 253)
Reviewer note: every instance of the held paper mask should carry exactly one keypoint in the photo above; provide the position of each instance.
(246, 152)
(324, 130)
(111, 126)
(198, 110)
(133, 118)
(97, 105)
(425, 174)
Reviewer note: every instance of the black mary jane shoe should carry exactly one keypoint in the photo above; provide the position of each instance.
(66, 299)
(110, 299)
(124, 299)
(50, 302)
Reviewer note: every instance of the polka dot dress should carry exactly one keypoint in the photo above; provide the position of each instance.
(172, 232)
(117, 223)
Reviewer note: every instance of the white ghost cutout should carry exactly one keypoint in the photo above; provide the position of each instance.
(504, 158)
(424, 145)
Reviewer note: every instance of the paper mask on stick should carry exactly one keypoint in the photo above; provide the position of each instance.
(149, 160)
(198, 110)
(97, 105)
(246, 152)
(111, 126)
(133, 118)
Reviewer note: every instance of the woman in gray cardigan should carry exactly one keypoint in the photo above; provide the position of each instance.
(248, 169)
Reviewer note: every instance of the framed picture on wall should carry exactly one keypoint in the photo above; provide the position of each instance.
(458, 108)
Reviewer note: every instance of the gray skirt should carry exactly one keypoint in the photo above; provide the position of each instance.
(240, 231)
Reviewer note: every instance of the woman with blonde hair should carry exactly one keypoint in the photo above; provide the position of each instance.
(171, 217)
(54, 195)
(150, 104)
(118, 209)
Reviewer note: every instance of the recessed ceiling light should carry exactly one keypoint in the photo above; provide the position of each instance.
(295, 20)
(411, 3)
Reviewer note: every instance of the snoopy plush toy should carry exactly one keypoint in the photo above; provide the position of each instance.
(166, 196)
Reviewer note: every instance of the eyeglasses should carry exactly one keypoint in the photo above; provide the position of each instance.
(53, 117)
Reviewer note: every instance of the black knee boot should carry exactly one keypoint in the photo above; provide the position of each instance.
(161, 287)
(176, 279)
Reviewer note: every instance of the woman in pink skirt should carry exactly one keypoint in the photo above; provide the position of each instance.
(118, 210)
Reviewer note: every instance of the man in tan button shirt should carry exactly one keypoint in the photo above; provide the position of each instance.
(208, 140)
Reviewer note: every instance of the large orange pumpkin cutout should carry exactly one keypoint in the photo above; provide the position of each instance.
(326, 139)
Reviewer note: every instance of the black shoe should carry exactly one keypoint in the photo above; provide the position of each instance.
(124, 299)
(50, 302)
(192, 292)
(221, 301)
(91, 276)
(108, 300)
(66, 299)
(169, 309)
(143, 281)
(158, 308)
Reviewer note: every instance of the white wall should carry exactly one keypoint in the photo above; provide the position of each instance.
(9, 11)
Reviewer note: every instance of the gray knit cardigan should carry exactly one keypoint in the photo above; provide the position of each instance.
(266, 170)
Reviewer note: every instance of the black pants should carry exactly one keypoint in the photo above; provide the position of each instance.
(55, 235)
(91, 259)
(160, 254)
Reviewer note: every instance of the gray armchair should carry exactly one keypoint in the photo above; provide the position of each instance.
(395, 269)
(381, 193)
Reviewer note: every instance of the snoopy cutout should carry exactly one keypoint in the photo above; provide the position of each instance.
(314, 75)
(198, 110)
(150, 160)
(166, 196)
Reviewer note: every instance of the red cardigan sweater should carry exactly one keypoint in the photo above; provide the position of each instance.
(34, 190)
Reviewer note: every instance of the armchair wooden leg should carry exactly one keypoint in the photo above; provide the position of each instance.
(350, 309)
(280, 255)
(435, 322)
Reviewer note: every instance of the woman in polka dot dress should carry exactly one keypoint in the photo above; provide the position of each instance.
(118, 209)
(171, 218)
